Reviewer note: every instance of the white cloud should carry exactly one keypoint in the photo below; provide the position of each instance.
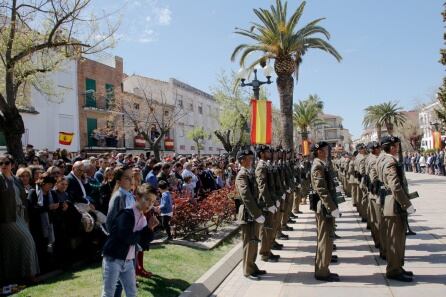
(142, 20)
(147, 36)
(164, 16)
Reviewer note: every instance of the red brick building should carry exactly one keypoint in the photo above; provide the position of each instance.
(99, 83)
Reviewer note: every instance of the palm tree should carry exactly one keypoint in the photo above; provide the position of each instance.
(387, 114)
(277, 38)
(306, 116)
(372, 118)
(391, 115)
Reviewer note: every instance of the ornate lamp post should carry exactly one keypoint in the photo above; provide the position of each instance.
(255, 83)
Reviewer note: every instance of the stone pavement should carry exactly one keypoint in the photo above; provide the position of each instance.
(361, 270)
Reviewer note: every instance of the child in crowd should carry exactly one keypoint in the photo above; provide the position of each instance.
(165, 208)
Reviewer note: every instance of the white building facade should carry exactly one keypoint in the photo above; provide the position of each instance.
(333, 132)
(197, 109)
(47, 115)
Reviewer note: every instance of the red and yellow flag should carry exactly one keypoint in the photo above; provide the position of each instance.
(65, 138)
(305, 147)
(261, 122)
(436, 136)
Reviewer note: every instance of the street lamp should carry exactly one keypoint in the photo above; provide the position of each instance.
(255, 83)
(436, 125)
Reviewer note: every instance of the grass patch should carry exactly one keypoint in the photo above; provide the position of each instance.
(174, 268)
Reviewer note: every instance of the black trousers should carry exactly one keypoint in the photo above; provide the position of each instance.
(165, 222)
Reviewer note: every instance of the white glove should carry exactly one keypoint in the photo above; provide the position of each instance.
(288, 191)
(272, 209)
(299, 186)
(411, 210)
(277, 203)
(283, 196)
(260, 220)
(336, 213)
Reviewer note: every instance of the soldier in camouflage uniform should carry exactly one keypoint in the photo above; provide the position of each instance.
(249, 214)
(353, 181)
(374, 208)
(325, 213)
(397, 205)
(360, 172)
(268, 201)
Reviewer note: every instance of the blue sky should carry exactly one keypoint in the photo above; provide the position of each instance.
(390, 49)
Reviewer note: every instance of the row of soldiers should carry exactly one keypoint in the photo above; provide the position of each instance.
(375, 180)
(270, 195)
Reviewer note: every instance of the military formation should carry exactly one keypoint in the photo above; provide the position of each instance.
(272, 183)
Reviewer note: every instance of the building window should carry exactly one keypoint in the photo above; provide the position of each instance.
(90, 91)
(182, 147)
(136, 106)
(166, 113)
(211, 148)
(200, 108)
(192, 147)
(92, 124)
(180, 103)
(191, 106)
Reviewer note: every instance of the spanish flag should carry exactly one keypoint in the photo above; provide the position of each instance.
(261, 121)
(436, 136)
(65, 138)
(306, 147)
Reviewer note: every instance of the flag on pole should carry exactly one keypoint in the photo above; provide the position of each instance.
(65, 138)
(261, 122)
(436, 136)
(305, 147)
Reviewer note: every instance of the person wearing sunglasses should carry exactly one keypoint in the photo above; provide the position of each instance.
(18, 259)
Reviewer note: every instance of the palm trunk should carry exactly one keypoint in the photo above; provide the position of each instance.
(285, 84)
(379, 132)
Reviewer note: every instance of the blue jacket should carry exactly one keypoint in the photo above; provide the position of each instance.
(166, 203)
(122, 236)
(152, 180)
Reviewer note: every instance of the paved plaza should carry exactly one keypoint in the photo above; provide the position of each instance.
(361, 270)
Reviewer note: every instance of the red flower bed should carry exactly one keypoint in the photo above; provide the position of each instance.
(216, 208)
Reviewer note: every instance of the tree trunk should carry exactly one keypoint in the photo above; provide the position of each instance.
(156, 152)
(379, 132)
(285, 86)
(224, 139)
(13, 128)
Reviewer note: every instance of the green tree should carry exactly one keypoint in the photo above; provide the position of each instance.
(306, 115)
(198, 136)
(276, 37)
(372, 119)
(234, 113)
(36, 36)
(441, 95)
(387, 114)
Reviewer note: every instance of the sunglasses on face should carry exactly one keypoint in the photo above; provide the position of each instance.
(6, 163)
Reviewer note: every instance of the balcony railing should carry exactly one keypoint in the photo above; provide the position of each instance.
(96, 102)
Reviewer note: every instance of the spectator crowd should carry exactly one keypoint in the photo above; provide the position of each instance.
(57, 208)
(426, 162)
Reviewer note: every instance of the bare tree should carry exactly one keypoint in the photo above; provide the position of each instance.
(149, 115)
(36, 37)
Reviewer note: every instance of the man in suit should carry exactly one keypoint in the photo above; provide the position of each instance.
(325, 213)
(249, 214)
(77, 188)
